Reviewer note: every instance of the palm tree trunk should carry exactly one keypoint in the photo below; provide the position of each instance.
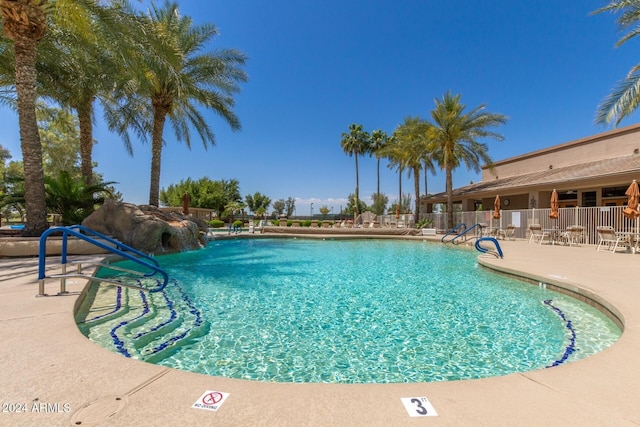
(34, 194)
(416, 184)
(85, 115)
(426, 192)
(356, 209)
(400, 188)
(159, 118)
(378, 190)
(449, 188)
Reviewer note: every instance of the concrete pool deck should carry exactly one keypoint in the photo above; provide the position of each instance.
(52, 375)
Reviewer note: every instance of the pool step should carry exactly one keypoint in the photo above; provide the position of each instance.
(144, 325)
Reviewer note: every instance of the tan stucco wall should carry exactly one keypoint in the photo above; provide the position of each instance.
(621, 142)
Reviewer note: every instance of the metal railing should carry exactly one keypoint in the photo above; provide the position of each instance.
(588, 217)
(96, 239)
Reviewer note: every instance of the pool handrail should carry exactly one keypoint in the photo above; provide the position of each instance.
(497, 253)
(463, 233)
(118, 244)
(453, 230)
(119, 249)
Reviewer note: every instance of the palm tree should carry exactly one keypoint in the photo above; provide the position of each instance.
(379, 139)
(411, 147)
(394, 152)
(74, 200)
(176, 77)
(624, 99)
(79, 64)
(355, 142)
(455, 137)
(24, 22)
(231, 209)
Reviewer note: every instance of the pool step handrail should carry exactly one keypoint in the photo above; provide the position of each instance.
(477, 228)
(116, 247)
(117, 244)
(498, 250)
(454, 230)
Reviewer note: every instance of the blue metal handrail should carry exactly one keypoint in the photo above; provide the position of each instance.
(484, 250)
(454, 230)
(118, 244)
(476, 227)
(119, 249)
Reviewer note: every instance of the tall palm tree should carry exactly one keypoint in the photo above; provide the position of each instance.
(411, 147)
(394, 152)
(176, 77)
(24, 22)
(455, 135)
(624, 99)
(355, 142)
(379, 139)
(79, 64)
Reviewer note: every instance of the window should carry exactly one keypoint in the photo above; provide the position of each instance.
(588, 199)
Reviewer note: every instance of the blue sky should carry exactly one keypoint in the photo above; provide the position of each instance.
(317, 66)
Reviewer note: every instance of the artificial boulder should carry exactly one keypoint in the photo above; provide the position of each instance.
(147, 228)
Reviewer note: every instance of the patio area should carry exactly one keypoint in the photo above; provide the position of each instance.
(52, 375)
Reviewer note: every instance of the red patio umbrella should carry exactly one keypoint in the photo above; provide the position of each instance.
(496, 208)
(553, 213)
(633, 192)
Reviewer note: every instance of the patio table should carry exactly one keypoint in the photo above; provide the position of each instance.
(554, 234)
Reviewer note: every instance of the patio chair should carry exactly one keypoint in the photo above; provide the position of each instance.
(537, 235)
(510, 232)
(574, 235)
(609, 239)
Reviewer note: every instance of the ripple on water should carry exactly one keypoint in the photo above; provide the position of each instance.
(374, 311)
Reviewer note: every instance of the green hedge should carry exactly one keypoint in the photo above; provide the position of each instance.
(216, 223)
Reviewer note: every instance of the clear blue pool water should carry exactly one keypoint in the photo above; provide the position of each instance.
(370, 311)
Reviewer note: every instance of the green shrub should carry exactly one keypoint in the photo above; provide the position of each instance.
(289, 223)
(306, 223)
(424, 223)
(216, 223)
(237, 223)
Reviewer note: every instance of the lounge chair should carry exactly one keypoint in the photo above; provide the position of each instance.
(537, 235)
(611, 240)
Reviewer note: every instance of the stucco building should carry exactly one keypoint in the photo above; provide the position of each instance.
(588, 172)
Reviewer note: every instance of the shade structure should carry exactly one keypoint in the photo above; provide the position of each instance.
(633, 193)
(496, 208)
(553, 213)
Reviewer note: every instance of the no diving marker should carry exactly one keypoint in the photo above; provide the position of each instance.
(211, 400)
(418, 407)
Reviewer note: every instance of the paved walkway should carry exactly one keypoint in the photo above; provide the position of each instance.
(53, 376)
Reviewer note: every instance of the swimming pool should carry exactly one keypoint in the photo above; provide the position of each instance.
(345, 311)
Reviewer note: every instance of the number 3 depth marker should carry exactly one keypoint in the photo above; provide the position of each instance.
(418, 407)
